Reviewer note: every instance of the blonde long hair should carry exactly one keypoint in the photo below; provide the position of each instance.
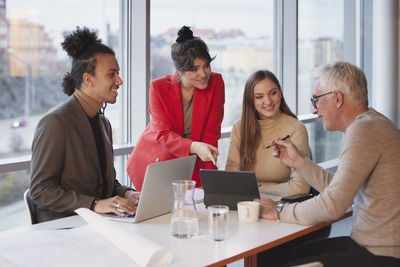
(249, 127)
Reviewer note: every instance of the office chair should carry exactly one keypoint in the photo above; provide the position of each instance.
(313, 191)
(31, 206)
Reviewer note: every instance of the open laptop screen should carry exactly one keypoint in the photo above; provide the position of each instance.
(157, 197)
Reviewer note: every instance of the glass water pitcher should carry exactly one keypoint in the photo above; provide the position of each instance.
(184, 220)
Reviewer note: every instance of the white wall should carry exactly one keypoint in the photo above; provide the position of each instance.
(385, 62)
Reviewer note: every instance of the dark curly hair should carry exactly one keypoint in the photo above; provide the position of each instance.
(186, 48)
(81, 45)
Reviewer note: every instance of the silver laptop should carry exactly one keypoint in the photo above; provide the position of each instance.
(157, 195)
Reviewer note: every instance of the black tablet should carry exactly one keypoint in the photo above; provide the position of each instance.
(228, 187)
(297, 198)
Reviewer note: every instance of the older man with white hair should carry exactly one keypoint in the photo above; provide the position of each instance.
(368, 176)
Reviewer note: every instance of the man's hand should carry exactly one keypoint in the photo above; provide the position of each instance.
(132, 196)
(117, 205)
(205, 151)
(287, 152)
(267, 208)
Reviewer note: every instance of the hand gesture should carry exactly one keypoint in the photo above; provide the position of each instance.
(205, 151)
(287, 152)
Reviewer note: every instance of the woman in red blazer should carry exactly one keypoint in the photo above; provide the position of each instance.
(186, 110)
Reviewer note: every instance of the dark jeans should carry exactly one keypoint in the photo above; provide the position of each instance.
(279, 255)
(340, 251)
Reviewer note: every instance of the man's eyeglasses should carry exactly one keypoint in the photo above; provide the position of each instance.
(314, 99)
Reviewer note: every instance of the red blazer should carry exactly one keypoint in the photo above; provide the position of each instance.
(163, 137)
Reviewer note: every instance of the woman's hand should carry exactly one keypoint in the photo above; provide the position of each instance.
(205, 151)
(117, 205)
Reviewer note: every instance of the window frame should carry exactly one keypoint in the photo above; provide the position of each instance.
(135, 60)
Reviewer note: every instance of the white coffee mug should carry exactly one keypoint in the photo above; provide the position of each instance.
(248, 211)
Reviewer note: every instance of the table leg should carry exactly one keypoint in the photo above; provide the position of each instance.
(250, 261)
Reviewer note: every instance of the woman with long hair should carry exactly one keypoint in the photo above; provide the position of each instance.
(266, 116)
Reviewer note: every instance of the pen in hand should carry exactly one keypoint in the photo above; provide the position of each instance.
(284, 138)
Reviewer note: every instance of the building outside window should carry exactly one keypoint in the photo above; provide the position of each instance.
(320, 41)
(32, 65)
(240, 34)
(245, 36)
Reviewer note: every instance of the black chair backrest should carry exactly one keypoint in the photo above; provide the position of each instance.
(31, 206)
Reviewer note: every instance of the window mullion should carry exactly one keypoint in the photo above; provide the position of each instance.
(289, 52)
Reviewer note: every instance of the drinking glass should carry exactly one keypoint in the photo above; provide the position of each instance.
(218, 221)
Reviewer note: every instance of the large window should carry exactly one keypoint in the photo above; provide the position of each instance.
(320, 41)
(32, 65)
(33, 62)
(288, 37)
(239, 33)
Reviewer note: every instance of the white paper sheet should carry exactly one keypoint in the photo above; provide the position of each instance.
(143, 251)
(81, 246)
(198, 195)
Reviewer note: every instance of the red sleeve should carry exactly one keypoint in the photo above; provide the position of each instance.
(212, 129)
(162, 124)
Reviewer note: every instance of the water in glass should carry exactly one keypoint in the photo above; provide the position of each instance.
(184, 221)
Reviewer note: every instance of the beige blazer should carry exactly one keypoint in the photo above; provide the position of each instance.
(65, 168)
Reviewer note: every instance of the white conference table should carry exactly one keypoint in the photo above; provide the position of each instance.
(244, 240)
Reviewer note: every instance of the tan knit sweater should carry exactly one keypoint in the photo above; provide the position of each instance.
(368, 174)
(273, 176)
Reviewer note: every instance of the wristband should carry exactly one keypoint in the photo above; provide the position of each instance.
(93, 204)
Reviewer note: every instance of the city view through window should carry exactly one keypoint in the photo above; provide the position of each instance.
(320, 41)
(243, 41)
(32, 65)
(241, 34)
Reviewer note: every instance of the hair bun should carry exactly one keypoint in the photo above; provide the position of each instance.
(185, 33)
(79, 41)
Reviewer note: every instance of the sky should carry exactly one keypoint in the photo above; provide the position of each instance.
(61, 14)
(58, 16)
(253, 17)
